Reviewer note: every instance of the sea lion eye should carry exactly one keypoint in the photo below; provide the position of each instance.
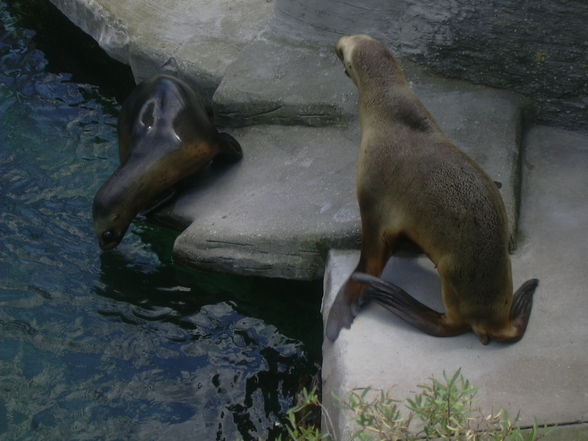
(107, 236)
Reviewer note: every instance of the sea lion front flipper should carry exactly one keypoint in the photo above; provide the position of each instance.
(230, 149)
(402, 304)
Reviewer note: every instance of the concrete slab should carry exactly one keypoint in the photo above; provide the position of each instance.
(274, 82)
(278, 211)
(293, 196)
(197, 39)
(544, 375)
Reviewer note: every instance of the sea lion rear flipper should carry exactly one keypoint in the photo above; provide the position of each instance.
(402, 304)
(230, 149)
(342, 313)
(522, 304)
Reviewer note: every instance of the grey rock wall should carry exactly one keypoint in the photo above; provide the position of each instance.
(193, 39)
(535, 47)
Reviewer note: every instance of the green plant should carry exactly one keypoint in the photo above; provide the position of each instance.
(377, 416)
(441, 411)
(302, 419)
(445, 408)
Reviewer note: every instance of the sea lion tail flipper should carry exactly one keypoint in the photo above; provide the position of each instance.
(230, 150)
(402, 304)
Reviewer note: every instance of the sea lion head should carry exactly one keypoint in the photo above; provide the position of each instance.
(140, 186)
(165, 135)
(365, 58)
(134, 187)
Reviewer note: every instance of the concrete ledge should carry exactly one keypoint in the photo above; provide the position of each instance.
(101, 22)
(277, 83)
(196, 39)
(544, 375)
(571, 432)
(292, 197)
(279, 210)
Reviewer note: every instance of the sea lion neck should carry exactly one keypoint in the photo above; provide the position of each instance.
(395, 105)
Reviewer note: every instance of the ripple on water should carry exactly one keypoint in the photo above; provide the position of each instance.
(113, 346)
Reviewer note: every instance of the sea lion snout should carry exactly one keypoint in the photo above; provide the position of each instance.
(108, 225)
(344, 48)
(339, 49)
(109, 239)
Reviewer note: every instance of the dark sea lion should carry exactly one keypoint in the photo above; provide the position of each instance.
(415, 185)
(165, 134)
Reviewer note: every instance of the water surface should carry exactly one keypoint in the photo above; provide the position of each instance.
(123, 345)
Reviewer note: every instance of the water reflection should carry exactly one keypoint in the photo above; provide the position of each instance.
(123, 345)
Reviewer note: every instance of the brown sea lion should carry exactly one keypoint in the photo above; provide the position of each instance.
(165, 134)
(415, 185)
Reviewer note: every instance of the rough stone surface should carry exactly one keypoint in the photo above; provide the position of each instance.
(277, 83)
(196, 39)
(274, 83)
(279, 210)
(535, 48)
(508, 44)
(543, 375)
(292, 198)
(101, 22)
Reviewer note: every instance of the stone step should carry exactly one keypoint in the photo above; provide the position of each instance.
(278, 211)
(287, 83)
(544, 375)
(292, 198)
(273, 82)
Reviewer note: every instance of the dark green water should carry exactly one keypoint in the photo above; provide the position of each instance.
(123, 345)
